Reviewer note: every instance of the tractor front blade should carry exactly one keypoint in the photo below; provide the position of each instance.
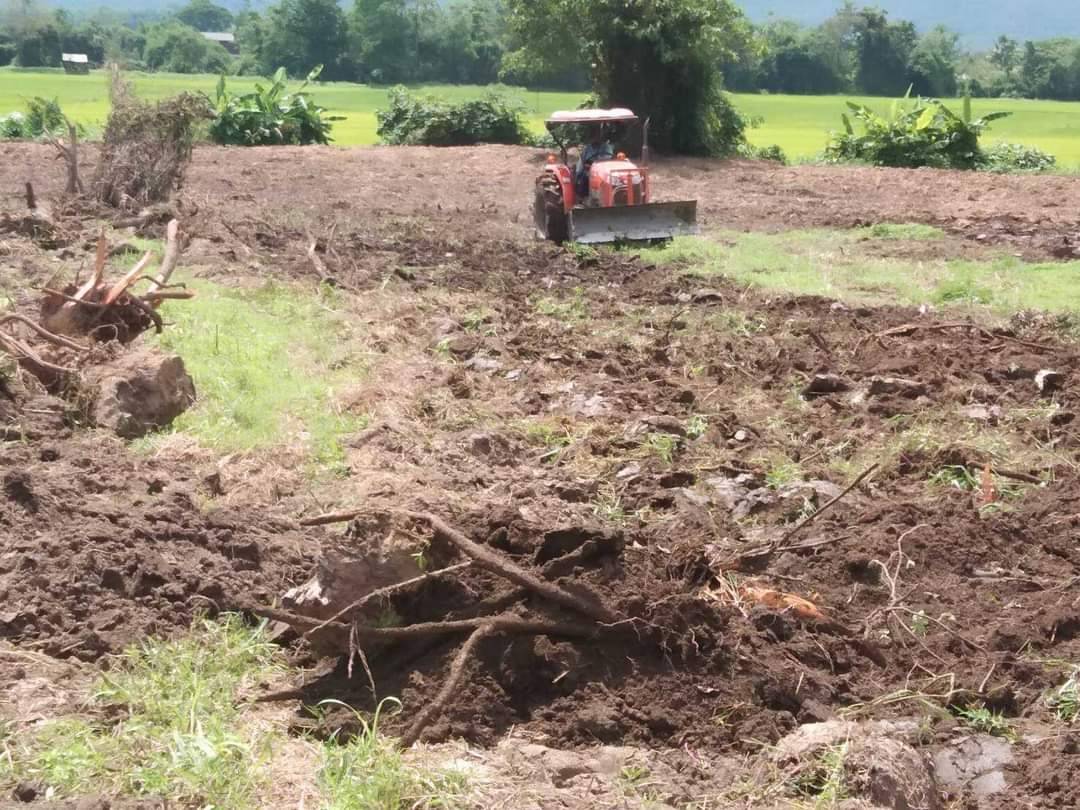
(633, 223)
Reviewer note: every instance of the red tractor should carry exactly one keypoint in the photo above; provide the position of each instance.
(606, 197)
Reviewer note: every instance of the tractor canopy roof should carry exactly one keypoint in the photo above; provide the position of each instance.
(617, 114)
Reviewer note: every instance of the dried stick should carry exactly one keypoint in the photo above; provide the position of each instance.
(509, 624)
(26, 356)
(99, 260)
(171, 257)
(120, 287)
(772, 548)
(492, 562)
(333, 517)
(450, 688)
(43, 332)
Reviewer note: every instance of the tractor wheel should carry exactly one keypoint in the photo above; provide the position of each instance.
(548, 211)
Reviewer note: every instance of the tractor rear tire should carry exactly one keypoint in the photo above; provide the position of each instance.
(549, 213)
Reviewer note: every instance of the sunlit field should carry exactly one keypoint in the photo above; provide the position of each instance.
(799, 124)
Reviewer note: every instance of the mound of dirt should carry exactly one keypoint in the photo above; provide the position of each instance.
(103, 548)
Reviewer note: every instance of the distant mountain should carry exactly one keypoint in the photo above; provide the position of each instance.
(979, 22)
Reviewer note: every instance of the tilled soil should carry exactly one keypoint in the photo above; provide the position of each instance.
(627, 432)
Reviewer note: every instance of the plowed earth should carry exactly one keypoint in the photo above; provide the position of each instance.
(622, 429)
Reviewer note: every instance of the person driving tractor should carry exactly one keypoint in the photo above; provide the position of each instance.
(598, 148)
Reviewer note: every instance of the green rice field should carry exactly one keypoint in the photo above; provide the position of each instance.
(799, 124)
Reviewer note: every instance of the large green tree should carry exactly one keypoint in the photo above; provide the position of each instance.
(932, 65)
(659, 57)
(205, 15)
(178, 48)
(883, 51)
(303, 34)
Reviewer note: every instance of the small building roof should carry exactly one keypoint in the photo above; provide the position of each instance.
(219, 36)
(79, 58)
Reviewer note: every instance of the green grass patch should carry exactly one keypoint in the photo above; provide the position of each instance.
(165, 722)
(268, 364)
(836, 264)
(903, 231)
(369, 773)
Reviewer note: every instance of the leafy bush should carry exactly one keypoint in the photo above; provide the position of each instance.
(42, 116)
(1016, 157)
(427, 121)
(270, 116)
(773, 153)
(926, 134)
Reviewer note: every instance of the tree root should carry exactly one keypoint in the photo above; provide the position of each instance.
(490, 561)
(450, 688)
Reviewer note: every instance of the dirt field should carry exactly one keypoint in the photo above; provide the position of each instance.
(622, 431)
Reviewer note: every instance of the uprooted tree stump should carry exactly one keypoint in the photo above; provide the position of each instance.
(109, 310)
(561, 613)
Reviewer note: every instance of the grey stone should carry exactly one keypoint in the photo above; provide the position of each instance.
(140, 392)
(974, 763)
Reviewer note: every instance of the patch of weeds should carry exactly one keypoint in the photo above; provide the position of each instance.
(920, 624)
(907, 230)
(962, 288)
(550, 435)
(608, 506)
(697, 426)
(574, 308)
(662, 445)
(981, 719)
(781, 474)
(956, 476)
(635, 780)
(477, 321)
(166, 721)
(368, 772)
(583, 253)
(1064, 701)
(824, 782)
(267, 364)
(739, 324)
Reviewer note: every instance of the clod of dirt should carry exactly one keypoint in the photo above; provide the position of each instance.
(823, 384)
(974, 764)
(139, 392)
(911, 389)
(880, 764)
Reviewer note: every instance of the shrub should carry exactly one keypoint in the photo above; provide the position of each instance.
(926, 134)
(270, 116)
(773, 153)
(146, 147)
(42, 117)
(1016, 157)
(427, 121)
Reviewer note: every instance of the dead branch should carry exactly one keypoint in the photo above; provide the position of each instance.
(43, 332)
(70, 153)
(171, 257)
(910, 328)
(333, 517)
(31, 198)
(772, 548)
(30, 359)
(450, 688)
(129, 278)
(1018, 476)
(492, 562)
(338, 633)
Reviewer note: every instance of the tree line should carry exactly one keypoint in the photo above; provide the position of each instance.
(543, 43)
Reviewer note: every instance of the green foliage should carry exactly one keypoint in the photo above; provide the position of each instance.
(1064, 701)
(956, 476)
(42, 117)
(924, 133)
(662, 445)
(303, 34)
(270, 115)
(368, 772)
(428, 121)
(987, 721)
(164, 722)
(1016, 157)
(205, 15)
(658, 58)
(178, 48)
